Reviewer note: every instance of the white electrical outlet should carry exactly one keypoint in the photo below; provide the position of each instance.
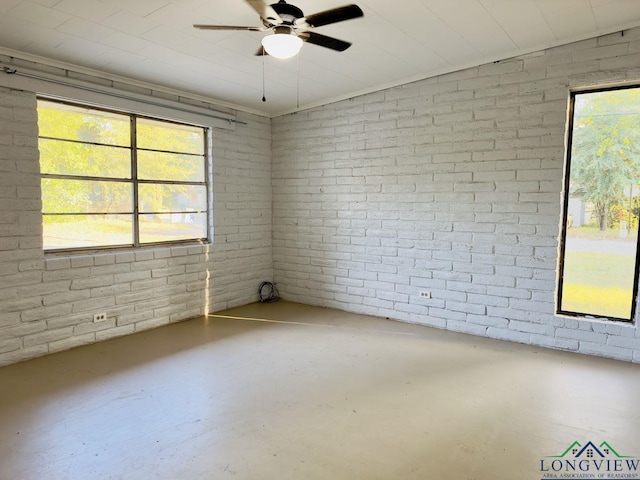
(100, 317)
(425, 294)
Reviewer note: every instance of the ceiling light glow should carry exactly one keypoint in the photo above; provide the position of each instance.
(282, 45)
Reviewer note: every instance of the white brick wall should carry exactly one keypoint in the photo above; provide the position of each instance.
(47, 303)
(453, 185)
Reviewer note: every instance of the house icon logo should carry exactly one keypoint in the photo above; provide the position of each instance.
(589, 460)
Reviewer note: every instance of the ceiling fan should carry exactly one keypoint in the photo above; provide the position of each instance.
(290, 27)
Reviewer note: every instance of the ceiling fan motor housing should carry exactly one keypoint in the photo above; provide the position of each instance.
(288, 13)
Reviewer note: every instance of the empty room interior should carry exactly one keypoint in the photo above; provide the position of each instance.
(313, 240)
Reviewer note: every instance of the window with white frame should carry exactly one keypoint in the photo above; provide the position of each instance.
(598, 271)
(112, 179)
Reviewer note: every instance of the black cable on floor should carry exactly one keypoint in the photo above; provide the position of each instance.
(267, 292)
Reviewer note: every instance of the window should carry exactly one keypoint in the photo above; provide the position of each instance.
(114, 179)
(598, 274)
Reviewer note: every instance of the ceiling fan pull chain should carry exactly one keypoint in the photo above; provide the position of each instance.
(264, 98)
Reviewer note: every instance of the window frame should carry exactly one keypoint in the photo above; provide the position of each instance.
(565, 214)
(134, 181)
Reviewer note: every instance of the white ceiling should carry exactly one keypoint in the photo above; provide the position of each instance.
(395, 42)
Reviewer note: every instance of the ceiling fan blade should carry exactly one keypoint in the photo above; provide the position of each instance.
(324, 41)
(229, 27)
(334, 15)
(265, 11)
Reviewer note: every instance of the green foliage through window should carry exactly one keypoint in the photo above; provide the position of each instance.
(114, 179)
(599, 255)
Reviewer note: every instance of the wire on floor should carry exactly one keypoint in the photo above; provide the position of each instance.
(268, 293)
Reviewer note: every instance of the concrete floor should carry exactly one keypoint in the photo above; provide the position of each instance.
(286, 391)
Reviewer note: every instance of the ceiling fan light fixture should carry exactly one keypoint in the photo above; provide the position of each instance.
(282, 45)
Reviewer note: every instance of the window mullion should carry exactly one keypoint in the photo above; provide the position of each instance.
(134, 178)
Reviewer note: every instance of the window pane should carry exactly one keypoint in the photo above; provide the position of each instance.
(175, 226)
(170, 166)
(65, 158)
(171, 198)
(58, 120)
(82, 231)
(170, 137)
(91, 179)
(85, 196)
(603, 205)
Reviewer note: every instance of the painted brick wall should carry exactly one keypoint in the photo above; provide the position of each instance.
(47, 303)
(451, 185)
